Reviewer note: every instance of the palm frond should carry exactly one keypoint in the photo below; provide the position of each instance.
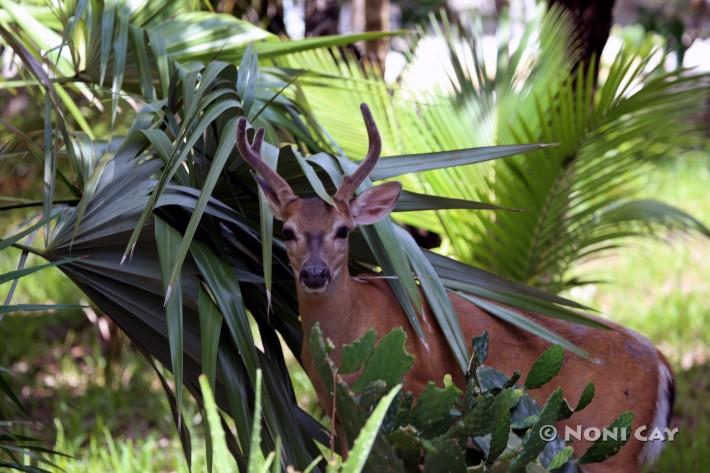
(604, 139)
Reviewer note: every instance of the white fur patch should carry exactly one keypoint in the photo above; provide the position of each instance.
(652, 448)
(316, 290)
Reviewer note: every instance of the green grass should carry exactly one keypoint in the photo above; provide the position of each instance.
(689, 452)
(48, 286)
(104, 452)
(661, 289)
(107, 413)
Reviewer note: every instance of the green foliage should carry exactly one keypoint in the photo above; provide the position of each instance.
(355, 354)
(545, 367)
(222, 462)
(534, 443)
(98, 403)
(504, 424)
(689, 452)
(105, 452)
(387, 362)
(607, 447)
(581, 198)
(366, 438)
(49, 284)
(168, 239)
(177, 160)
(18, 451)
(433, 407)
(107, 175)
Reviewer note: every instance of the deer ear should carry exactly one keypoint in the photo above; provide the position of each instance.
(271, 197)
(375, 203)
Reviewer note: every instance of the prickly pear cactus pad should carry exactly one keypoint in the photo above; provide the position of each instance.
(493, 425)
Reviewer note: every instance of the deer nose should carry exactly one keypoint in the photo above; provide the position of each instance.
(314, 276)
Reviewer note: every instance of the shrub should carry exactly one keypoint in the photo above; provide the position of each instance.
(493, 423)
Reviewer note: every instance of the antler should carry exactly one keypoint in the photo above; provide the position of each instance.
(350, 183)
(251, 153)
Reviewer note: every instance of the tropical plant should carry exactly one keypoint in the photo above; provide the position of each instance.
(156, 218)
(226, 227)
(222, 462)
(18, 450)
(577, 199)
(495, 423)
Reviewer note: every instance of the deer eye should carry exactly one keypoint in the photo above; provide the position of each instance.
(288, 234)
(341, 232)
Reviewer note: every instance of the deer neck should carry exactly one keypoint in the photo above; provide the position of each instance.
(330, 308)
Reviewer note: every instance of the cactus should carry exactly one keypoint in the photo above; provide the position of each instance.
(545, 367)
(356, 354)
(562, 457)
(444, 456)
(533, 444)
(607, 447)
(493, 424)
(433, 409)
(587, 395)
(388, 362)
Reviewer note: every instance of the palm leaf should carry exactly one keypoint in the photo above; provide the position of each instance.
(606, 137)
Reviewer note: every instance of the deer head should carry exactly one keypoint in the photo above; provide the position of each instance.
(316, 233)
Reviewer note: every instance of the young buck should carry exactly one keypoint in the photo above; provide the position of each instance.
(629, 373)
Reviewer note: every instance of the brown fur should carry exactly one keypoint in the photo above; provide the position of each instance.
(625, 375)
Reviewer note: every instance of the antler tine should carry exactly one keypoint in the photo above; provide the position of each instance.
(353, 181)
(251, 153)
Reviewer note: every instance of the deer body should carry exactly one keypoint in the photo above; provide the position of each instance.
(628, 371)
(630, 374)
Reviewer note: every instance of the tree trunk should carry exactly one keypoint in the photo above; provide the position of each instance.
(377, 18)
(592, 20)
(321, 17)
(266, 14)
(373, 15)
(273, 14)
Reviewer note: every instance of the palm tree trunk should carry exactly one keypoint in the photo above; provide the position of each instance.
(321, 17)
(266, 14)
(373, 15)
(592, 21)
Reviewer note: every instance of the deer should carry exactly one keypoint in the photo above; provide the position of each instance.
(629, 373)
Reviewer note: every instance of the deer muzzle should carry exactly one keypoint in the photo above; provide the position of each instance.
(314, 275)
